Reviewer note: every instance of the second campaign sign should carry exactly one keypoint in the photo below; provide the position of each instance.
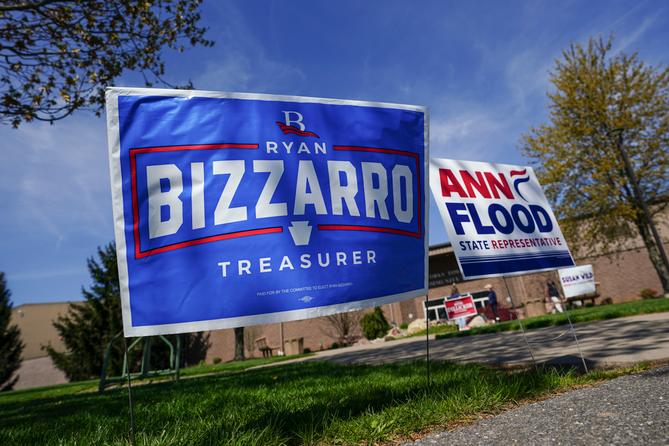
(240, 209)
(497, 218)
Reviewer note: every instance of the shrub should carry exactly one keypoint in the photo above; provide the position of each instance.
(647, 293)
(404, 325)
(374, 325)
(306, 350)
(334, 345)
(217, 360)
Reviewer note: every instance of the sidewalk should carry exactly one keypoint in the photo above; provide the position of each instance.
(604, 343)
(631, 409)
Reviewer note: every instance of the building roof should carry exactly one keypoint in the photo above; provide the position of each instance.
(442, 248)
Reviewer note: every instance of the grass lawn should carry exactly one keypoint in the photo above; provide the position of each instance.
(597, 313)
(92, 385)
(304, 403)
(236, 366)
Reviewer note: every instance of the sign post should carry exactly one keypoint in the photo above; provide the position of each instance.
(577, 281)
(498, 220)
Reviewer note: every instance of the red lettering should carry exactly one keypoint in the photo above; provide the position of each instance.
(497, 186)
(471, 184)
(450, 184)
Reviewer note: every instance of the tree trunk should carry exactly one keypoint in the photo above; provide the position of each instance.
(654, 253)
(239, 343)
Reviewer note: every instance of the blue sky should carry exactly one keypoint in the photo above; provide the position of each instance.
(481, 67)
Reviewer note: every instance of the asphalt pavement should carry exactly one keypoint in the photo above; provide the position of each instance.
(630, 410)
(614, 342)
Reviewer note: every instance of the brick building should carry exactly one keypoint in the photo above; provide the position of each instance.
(620, 276)
(36, 324)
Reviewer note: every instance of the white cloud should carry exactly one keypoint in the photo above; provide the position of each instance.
(239, 61)
(237, 71)
(629, 41)
(54, 179)
(50, 274)
(527, 79)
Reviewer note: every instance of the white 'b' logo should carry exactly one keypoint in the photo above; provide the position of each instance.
(296, 120)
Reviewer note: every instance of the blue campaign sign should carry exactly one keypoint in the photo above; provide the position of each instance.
(497, 218)
(240, 209)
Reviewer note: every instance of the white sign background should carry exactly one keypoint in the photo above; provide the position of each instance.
(577, 281)
(481, 249)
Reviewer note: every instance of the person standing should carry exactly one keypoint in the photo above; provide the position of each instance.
(492, 301)
(455, 293)
(553, 295)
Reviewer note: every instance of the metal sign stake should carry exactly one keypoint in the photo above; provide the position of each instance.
(427, 340)
(578, 346)
(522, 327)
(132, 418)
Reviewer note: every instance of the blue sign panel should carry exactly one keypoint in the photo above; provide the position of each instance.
(237, 209)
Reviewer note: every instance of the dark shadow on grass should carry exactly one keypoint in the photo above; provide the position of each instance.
(231, 405)
(328, 408)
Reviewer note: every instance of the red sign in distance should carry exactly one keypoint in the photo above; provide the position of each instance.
(460, 307)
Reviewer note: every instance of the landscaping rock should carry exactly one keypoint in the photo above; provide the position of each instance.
(415, 326)
(477, 321)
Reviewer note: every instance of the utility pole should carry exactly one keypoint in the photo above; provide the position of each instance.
(639, 196)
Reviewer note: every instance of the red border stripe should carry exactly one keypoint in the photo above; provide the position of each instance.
(135, 205)
(380, 229)
(213, 238)
(376, 150)
(193, 147)
(367, 229)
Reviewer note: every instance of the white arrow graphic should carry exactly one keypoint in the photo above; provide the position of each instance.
(301, 232)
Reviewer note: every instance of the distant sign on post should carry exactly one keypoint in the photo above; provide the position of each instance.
(577, 281)
(497, 218)
(239, 209)
(462, 306)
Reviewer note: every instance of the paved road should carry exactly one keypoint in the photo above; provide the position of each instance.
(38, 372)
(613, 342)
(631, 410)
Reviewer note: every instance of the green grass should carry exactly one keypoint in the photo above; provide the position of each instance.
(598, 313)
(236, 366)
(304, 403)
(201, 369)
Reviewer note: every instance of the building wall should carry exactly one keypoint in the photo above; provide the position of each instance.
(36, 324)
(620, 277)
(317, 335)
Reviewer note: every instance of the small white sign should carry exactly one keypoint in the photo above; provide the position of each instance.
(577, 281)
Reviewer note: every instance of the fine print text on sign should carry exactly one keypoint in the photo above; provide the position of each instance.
(238, 209)
(497, 218)
(577, 281)
(460, 307)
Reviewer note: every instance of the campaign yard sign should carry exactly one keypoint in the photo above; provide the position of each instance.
(497, 218)
(577, 281)
(240, 209)
(462, 306)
